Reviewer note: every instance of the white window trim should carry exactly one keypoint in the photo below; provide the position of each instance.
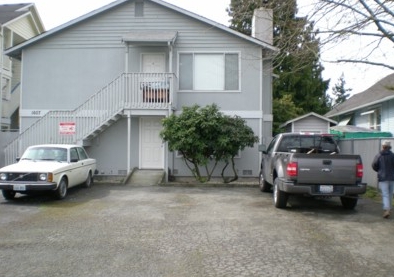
(373, 119)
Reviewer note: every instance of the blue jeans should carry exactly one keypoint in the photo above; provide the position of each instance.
(387, 187)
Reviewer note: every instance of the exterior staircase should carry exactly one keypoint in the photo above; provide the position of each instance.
(129, 91)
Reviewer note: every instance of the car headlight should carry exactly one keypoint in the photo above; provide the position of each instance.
(45, 177)
(3, 176)
(42, 176)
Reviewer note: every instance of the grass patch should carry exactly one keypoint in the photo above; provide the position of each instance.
(373, 193)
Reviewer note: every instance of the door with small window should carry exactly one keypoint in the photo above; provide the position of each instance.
(152, 147)
(153, 63)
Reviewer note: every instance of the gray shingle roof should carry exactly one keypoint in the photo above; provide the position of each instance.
(10, 11)
(379, 92)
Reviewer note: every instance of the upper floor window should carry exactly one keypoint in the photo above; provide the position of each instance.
(209, 71)
(373, 118)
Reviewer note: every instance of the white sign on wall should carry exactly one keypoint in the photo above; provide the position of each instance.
(67, 128)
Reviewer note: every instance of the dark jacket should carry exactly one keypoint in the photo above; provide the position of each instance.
(383, 164)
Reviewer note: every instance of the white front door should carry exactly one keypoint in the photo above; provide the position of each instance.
(153, 63)
(152, 148)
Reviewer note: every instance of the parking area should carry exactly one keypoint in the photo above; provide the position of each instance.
(114, 230)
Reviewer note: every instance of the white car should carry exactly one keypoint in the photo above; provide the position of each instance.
(50, 167)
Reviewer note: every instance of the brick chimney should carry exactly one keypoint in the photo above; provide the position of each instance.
(262, 25)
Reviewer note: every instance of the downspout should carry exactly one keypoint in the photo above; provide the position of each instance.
(126, 68)
(167, 153)
(128, 143)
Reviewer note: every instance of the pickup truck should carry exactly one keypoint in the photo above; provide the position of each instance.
(310, 164)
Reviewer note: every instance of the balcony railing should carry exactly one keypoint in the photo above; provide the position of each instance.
(131, 91)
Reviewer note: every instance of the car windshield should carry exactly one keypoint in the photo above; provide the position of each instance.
(46, 154)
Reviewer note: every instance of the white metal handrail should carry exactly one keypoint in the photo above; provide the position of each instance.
(128, 91)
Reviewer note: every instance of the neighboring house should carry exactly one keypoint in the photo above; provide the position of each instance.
(106, 80)
(309, 123)
(18, 23)
(372, 108)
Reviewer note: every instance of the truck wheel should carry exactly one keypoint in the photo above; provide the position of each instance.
(280, 197)
(8, 194)
(264, 186)
(349, 203)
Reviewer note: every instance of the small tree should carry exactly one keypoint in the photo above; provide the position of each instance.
(204, 137)
(340, 92)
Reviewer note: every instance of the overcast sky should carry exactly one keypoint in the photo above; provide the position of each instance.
(56, 12)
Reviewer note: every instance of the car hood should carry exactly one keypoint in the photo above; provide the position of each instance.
(34, 166)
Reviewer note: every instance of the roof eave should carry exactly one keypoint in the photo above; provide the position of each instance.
(216, 24)
(387, 98)
(305, 116)
(16, 51)
(29, 10)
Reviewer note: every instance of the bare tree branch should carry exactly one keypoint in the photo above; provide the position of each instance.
(366, 62)
(340, 20)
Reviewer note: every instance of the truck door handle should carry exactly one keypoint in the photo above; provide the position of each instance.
(327, 162)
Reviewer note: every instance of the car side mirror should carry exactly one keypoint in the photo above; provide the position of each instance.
(74, 160)
(18, 159)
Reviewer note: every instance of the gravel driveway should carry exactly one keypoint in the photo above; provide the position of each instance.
(114, 230)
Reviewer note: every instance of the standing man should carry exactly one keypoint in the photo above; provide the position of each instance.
(383, 164)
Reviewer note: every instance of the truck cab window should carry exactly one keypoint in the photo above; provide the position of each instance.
(271, 145)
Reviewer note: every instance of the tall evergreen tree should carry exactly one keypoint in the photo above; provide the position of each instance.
(340, 92)
(297, 65)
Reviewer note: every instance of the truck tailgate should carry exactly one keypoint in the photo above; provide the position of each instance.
(326, 169)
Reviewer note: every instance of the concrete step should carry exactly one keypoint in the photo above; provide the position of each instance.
(146, 177)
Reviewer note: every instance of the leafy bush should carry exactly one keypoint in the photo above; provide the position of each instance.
(204, 137)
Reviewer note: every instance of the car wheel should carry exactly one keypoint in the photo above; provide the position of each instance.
(264, 186)
(89, 181)
(280, 197)
(9, 194)
(61, 190)
(349, 203)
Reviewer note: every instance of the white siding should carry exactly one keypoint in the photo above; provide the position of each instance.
(311, 124)
(24, 27)
(95, 47)
(66, 68)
